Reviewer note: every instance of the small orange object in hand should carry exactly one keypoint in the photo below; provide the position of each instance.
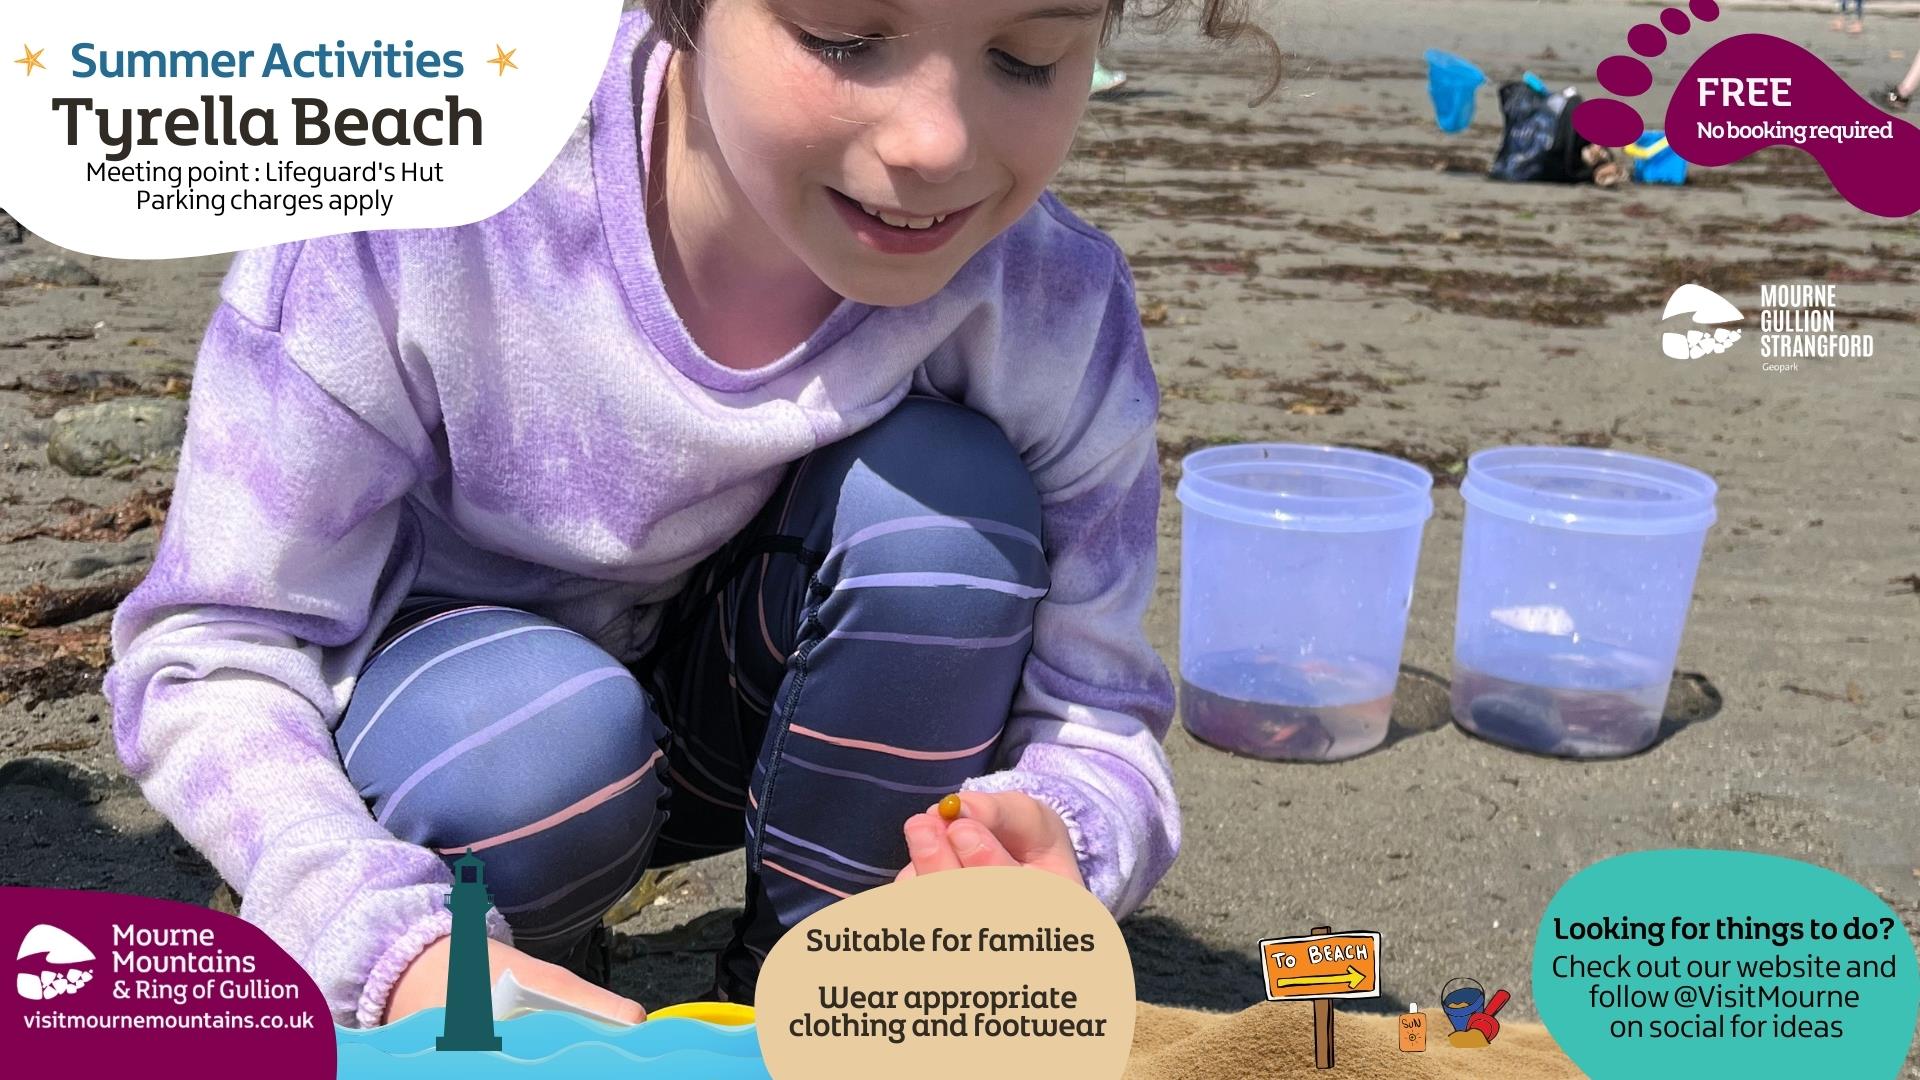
(989, 828)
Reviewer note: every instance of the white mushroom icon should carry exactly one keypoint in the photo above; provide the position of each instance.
(61, 949)
(1708, 308)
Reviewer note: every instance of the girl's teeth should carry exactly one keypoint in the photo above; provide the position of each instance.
(899, 222)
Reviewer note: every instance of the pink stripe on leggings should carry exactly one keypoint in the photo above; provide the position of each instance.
(803, 879)
(558, 816)
(896, 751)
(487, 734)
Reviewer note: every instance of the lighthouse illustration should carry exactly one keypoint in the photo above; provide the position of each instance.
(469, 1021)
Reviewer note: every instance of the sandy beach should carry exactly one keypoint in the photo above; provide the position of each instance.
(1325, 268)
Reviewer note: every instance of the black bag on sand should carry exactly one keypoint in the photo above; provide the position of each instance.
(1539, 142)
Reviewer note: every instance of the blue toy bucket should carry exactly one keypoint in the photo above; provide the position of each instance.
(1654, 162)
(1452, 83)
(1460, 999)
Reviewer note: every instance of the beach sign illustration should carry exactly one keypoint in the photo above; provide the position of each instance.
(1344, 965)
(1322, 967)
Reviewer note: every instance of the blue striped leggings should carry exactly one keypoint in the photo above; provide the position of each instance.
(843, 662)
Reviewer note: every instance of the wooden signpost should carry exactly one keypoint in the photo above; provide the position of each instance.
(1322, 968)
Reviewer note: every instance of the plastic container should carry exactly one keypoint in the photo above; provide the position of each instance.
(1654, 162)
(1296, 571)
(1576, 572)
(1453, 84)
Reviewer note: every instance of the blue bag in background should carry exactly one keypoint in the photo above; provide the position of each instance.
(1452, 84)
(1654, 162)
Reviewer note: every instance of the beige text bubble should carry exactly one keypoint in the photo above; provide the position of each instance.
(966, 974)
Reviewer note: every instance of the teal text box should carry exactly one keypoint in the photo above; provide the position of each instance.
(1724, 963)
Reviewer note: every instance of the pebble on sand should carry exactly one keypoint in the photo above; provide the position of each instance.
(87, 440)
(44, 270)
(83, 566)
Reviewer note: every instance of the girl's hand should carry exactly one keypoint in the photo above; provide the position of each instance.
(423, 985)
(1000, 828)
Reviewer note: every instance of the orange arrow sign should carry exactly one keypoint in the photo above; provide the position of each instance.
(1353, 978)
(1343, 965)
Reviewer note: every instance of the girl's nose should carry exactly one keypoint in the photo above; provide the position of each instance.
(927, 129)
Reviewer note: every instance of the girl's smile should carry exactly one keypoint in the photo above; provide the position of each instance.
(899, 232)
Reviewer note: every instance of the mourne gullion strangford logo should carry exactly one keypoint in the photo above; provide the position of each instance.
(56, 948)
(1707, 309)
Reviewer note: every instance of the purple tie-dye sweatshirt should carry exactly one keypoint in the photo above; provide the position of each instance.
(512, 411)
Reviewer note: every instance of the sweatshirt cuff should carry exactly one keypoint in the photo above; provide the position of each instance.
(1087, 826)
(388, 966)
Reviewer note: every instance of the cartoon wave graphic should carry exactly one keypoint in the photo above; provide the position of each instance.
(558, 1045)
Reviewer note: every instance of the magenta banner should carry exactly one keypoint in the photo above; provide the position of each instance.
(105, 982)
(1753, 91)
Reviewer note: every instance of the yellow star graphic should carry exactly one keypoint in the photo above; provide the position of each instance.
(503, 58)
(31, 59)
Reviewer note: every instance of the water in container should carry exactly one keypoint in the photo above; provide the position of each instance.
(1270, 706)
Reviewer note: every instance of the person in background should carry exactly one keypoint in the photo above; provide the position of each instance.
(1899, 94)
(1840, 20)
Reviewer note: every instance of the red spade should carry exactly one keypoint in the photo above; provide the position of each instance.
(1483, 1021)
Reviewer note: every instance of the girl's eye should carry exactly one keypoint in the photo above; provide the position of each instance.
(833, 50)
(845, 50)
(1014, 68)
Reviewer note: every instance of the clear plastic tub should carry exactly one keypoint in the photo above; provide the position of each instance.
(1297, 567)
(1576, 572)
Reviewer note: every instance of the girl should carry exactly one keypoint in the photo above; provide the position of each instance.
(785, 450)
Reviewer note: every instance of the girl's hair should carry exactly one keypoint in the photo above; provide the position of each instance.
(1222, 21)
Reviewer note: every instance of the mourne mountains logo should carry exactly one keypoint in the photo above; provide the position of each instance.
(56, 947)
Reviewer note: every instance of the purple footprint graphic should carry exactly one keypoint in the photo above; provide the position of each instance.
(1616, 123)
(1755, 91)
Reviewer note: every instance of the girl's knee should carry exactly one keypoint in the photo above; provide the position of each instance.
(937, 549)
(490, 720)
(940, 457)
(965, 442)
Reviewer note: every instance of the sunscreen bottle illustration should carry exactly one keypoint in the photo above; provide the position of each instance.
(1413, 1030)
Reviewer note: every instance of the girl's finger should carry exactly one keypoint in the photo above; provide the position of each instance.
(556, 981)
(928, 846)
(1019, 822)
(977, 847)
(905, 873)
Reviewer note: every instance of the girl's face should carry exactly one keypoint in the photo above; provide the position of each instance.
(886, 141)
